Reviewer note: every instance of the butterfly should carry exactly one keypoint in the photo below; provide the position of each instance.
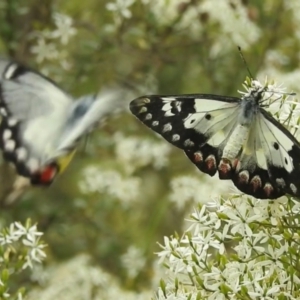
(234, 137)
(41, 124)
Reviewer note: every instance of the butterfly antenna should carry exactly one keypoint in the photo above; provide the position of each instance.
(244, 60)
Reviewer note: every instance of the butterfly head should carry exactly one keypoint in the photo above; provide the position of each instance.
(264, 94)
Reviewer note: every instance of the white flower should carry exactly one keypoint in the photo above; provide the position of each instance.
(136, 153)
(223, 237)
(8, 236)
(28, 232)
(121, 7)
(264, 292)
(110, 182)
(232, 23)
(275, 255)
(35, 252)
(243, 250)
(195, 189)
(44, 50)
(168, 248)
(240, 218)
(133, 261)
(206, 241)
(65, 29)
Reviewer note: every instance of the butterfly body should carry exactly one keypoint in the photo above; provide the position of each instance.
(234, 137)
(41, 124)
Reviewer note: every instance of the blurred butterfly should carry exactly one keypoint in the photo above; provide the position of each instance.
(41, 124)
(235, 137)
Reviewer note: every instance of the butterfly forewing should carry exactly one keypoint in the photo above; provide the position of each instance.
(198, 124)
(186, 121)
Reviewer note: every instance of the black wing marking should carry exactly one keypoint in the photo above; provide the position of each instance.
(282, 152)
(250, 173)
(199, 124)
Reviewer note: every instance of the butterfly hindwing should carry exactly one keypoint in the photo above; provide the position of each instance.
(282, 152)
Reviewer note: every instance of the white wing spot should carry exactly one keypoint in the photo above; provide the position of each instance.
(33, 165)
(167, 127)
(21, 154)
(280, 182)
(10, 71)
(155, 123)
(188, 143)
(7, 134)
(148, 117)
(293, 188)
(3, 112)
(175, 137)
(169, 114)
(10, 145)
(167, 99)
(12, 122)
(167, 106)
(178, 105)
(143, 110)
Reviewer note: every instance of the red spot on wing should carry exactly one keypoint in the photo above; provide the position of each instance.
(198, 157)
(268, 189)
(224, 169)
(46, 175)
(243, 177)
(210, 162)
(256, 183)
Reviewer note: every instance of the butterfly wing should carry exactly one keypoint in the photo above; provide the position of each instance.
(267, 165)
(87, 112)
(198, 124)
(282, 153)
(33, 113)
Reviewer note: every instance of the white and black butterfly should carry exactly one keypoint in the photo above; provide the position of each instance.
(41, 124)
(235, 137)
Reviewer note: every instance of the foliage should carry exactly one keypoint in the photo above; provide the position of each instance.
(126, 189)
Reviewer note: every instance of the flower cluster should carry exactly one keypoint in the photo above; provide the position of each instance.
(78, 278)
(134, 153)
(133, 261)
(120, 7)
(241, 248)
(47, 46)
(110, 182)
(281, 104)
(21, 248)
(194, 189)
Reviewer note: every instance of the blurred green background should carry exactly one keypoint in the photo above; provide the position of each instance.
(126, 188)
